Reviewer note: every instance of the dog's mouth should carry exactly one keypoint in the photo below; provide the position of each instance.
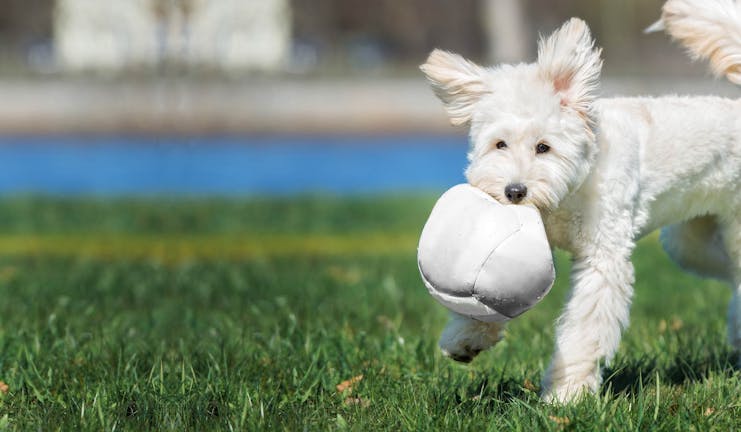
(500, 198)
(506, 201)
(527, 201)
(532, 199)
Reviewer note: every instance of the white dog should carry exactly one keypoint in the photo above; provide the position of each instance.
(603, 173)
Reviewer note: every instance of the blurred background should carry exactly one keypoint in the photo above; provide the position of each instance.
(273, 96)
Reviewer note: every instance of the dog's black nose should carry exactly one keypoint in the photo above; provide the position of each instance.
(515, 192)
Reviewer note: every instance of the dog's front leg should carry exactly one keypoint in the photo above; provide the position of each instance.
(589, 329)
(464, 338)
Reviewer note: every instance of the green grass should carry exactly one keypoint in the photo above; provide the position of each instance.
(103, 327)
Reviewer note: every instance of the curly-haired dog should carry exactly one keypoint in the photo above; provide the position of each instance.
(603, 173)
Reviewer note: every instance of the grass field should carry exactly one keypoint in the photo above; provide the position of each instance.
(309, 315)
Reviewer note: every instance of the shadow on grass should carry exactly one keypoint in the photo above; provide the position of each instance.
(503, 391)
(490, 395)
(630, 378)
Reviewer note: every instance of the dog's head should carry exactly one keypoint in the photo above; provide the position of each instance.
(530, 124)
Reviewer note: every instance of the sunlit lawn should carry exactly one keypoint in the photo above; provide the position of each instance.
(247, 315)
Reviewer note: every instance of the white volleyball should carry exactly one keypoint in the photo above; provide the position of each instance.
(482, 259)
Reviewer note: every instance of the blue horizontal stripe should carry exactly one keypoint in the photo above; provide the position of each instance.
(229, 165)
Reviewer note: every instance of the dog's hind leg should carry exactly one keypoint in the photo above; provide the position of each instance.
(732, 240)
(711, 246)
(697, 246)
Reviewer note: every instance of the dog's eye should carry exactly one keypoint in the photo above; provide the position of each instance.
(501, 145)
(542, 148)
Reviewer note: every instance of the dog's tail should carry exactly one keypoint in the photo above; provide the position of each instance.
(709, 29)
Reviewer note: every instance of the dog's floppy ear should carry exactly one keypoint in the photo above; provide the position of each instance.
(457, 82)
(569, 60)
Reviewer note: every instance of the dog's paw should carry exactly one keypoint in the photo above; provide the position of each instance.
(463, 354)
(567, 390)
(564, 394)
(464, 338)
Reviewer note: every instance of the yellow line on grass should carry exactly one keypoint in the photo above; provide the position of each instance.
(207, 246)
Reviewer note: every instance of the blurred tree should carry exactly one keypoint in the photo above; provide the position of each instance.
(25, 35)
(358, 33)
(386, 30)
(25, 20)
(507, 29)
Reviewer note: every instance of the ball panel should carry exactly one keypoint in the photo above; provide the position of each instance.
(468, 305)
(517, 275)
(462, 230)
(520, 270)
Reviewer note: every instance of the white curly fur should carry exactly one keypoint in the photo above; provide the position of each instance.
(616, 169)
